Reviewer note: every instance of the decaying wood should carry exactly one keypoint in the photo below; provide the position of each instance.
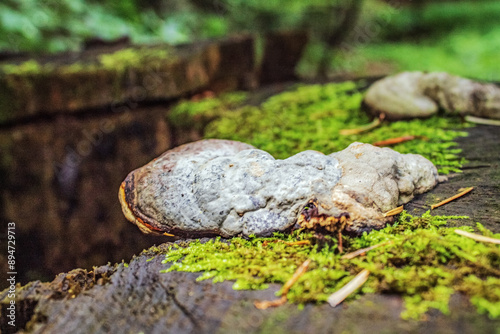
(139, 298)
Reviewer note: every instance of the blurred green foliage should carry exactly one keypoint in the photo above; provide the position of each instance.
(461, 37)
(467, 53)
(57, 25)
(438, 18)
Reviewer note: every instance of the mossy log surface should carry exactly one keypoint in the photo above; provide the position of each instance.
(138, 298)
(81, 81)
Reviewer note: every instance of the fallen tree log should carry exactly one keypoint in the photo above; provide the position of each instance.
(138, 298)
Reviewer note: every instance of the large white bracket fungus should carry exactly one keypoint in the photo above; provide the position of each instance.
(228, 188)
(418, 94)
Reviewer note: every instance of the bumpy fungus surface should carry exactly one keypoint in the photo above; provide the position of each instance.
(228, 188)
(418, 94)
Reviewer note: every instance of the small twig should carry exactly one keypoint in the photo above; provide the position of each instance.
(288, 243)
(394, 141)
(262, 305)
(478, 237)
(376, 122)
(339, 296)
(467, 190)
(297, 243)
(362, 251)
(394, 211)
(299, 272)
(485, 121)
(340, 247)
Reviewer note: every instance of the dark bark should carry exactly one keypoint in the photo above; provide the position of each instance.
(282, 53)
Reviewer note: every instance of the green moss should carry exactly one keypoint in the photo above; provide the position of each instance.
(199, 113)
(117, 61)
(135, 58)
(28, 67)
(485, 294)
(310, 117)
(425, 263)
(27, 78)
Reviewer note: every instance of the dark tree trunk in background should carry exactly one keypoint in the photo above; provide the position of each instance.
(348, 17)
(212, 6)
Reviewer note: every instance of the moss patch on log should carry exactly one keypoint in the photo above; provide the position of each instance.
(425, 262)
(310, 117)
(29, 86)
(116, 61)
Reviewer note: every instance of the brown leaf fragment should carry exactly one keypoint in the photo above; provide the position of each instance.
(265, 304)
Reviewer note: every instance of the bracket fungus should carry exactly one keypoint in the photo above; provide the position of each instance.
(418, 94)
(228, 188)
